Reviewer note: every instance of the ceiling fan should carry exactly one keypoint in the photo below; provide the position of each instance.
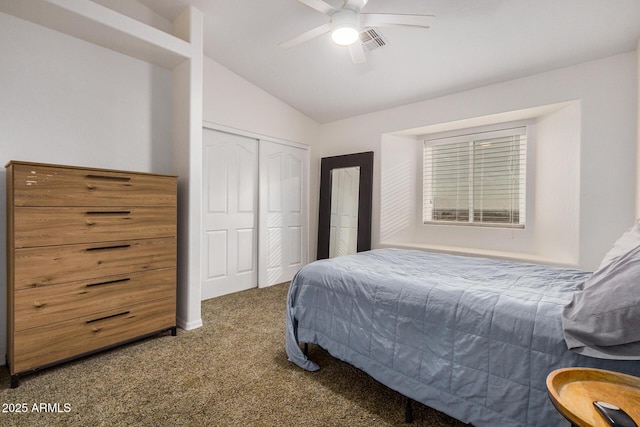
(347, 22)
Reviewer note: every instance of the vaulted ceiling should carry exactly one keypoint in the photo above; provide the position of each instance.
(470, 44)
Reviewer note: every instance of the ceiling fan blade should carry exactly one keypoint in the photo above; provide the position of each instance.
(395, 20)
(356, 5)
(306, 36)
(357, 53)
(320, 6)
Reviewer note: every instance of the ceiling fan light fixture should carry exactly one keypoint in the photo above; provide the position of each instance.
(344, 36)
(345, 25)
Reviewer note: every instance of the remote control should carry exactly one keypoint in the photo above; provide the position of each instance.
(615, 416)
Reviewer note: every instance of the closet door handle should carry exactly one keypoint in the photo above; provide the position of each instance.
(89, 285)
(114, 178)
(124, 313)
(106, 248)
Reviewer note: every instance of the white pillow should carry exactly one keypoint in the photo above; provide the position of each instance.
(628, 241)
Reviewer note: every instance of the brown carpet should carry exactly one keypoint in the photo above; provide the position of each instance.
(231, 372)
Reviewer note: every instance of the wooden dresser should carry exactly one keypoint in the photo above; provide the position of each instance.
(91, 261)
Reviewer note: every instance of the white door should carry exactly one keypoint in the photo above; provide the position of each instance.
(230, 203)
(283, 212)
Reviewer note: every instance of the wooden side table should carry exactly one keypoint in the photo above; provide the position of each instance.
(573, 391)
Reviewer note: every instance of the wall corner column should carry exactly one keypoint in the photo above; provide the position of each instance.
(187, 86)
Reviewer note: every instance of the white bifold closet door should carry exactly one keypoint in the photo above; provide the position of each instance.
(230, 213)
(255, 212)
(283, 231)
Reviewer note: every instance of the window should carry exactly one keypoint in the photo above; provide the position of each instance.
(476, 179)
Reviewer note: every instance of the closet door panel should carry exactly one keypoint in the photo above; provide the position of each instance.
(295, 181)
(216, 182)
(216, 249)
(274, 181)
(295, 246)
(283, 225)
(296, 212)
(230, 193)
(247, 177)
(246, 250)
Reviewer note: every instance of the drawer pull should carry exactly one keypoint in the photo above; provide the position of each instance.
(104, 248)
(124, 313)
(88, 285)
(108, 212)
(115, 178)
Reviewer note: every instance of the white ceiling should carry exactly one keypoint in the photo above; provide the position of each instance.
(471, 43)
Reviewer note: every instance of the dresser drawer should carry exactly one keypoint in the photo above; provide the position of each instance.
(47, 185)
(42, 266)
(45, 226)
(51, 304)
(59, 341)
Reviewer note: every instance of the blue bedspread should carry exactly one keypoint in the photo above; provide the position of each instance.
(474, 338)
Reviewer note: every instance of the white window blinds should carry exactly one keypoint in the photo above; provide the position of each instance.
(476, 179)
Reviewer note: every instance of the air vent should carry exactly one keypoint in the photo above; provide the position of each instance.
(372, 39)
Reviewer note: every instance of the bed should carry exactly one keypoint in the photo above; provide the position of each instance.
(471, 337)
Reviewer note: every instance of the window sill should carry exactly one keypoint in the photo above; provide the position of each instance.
(456, 250)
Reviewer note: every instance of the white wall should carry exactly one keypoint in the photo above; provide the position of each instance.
(556, 198)
(606, 90)
(67, 101)
(231, 101)
(70, 102)
(400, 188)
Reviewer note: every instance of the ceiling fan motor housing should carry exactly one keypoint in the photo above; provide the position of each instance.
(345, 24)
